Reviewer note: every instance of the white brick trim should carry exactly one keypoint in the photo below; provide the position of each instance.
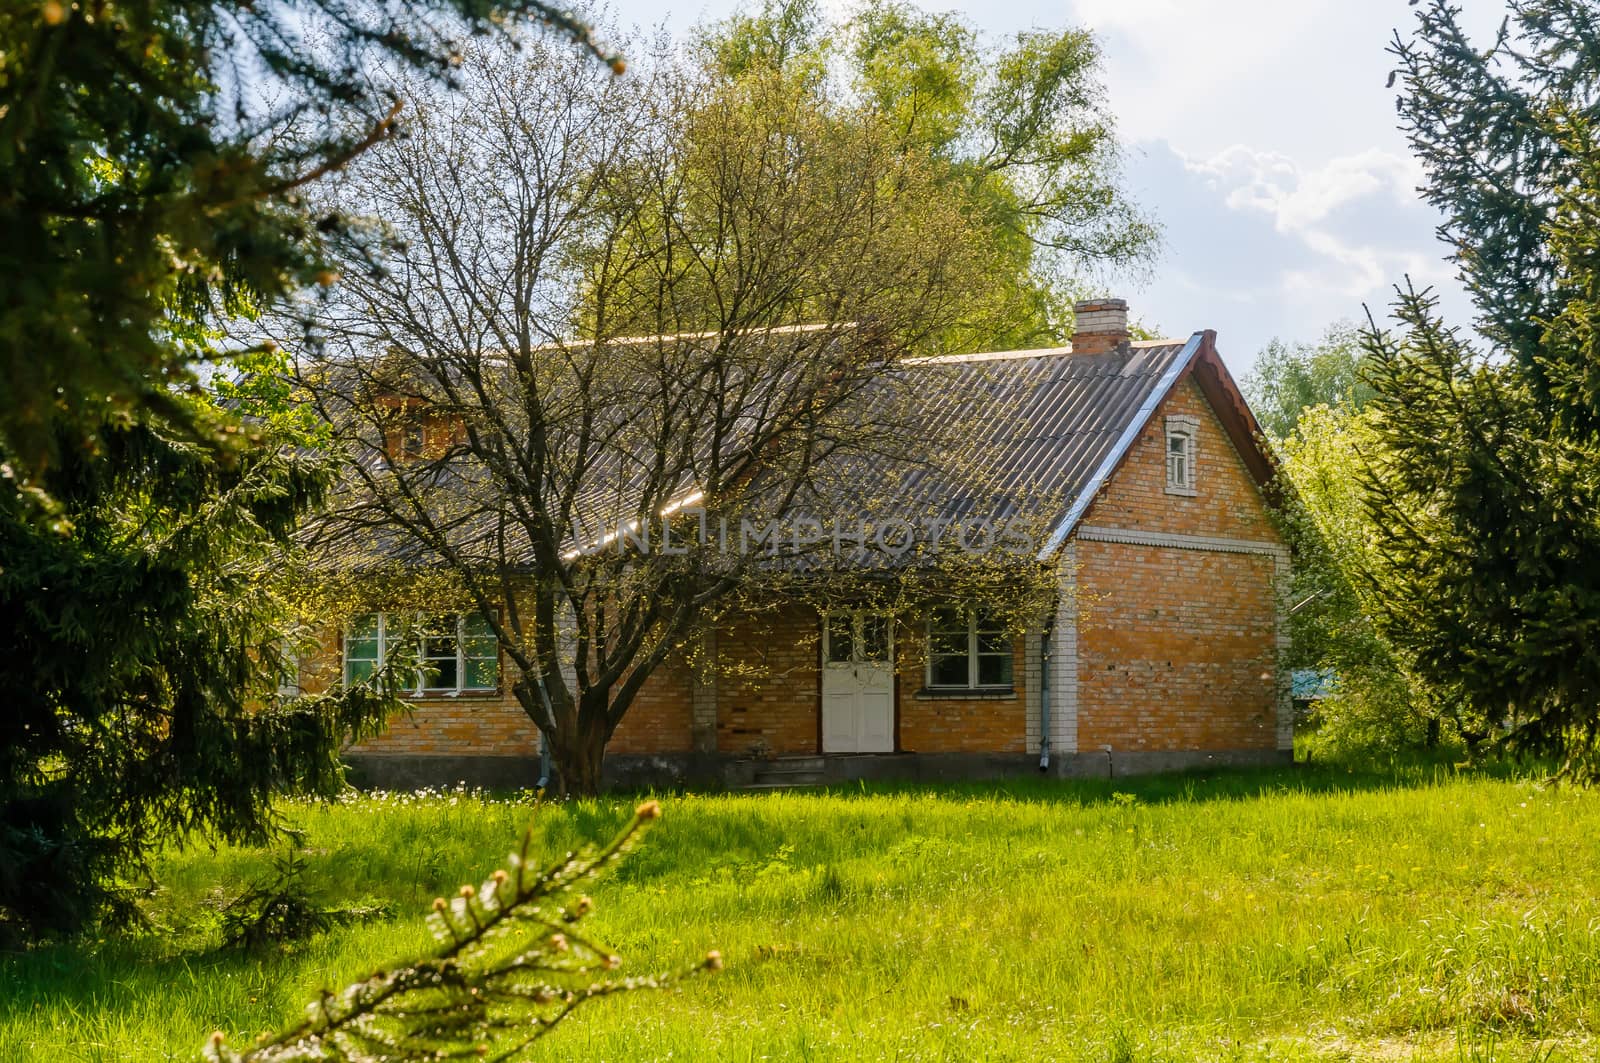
(1064, 657)
(1032, 666)
(1183, 426)
(1213, 544)
(1282, 574)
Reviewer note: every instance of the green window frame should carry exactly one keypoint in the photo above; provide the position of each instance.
(457, 653)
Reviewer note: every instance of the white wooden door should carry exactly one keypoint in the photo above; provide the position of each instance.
(857, 683)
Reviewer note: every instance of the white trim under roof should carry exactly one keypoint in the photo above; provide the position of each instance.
(1033, 352)
(1129, 434)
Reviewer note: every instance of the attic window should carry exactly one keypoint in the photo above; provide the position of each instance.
(1182, 433)
(411, 440)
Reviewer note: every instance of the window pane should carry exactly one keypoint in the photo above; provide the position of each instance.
(994, 642)
(479, 647)
(476, 625)
(994, 670)
(841, 641)
(874, 638)
(1178, 451)
(361, 654)
(948, 671)
(482, 675)
(439, 674)
(365, 649)
(358, 671)
(440, 669)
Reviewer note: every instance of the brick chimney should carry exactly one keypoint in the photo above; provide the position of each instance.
(1099, 326)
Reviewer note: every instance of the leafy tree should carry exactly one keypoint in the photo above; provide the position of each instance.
(1028, 143)
(1485, 489)
(143, 654)
(1375, 703)
(612, 300)
(151, 153)
(1289, 379)
(152, 156)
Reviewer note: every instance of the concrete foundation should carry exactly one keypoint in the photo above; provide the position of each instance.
(722, 772)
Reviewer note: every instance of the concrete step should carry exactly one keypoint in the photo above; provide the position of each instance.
(783, 782)
(790, 766)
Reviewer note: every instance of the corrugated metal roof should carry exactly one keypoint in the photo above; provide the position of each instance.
(1039, 431)
(995, 436)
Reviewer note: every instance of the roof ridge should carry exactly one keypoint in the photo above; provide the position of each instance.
(1028, 352)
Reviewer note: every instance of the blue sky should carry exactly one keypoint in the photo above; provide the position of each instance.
(1261, 136)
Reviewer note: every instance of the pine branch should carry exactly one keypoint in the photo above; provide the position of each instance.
(511, 966)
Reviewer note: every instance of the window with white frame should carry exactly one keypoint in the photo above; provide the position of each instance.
(1182, 433)
(455, 652)
(968, 648)
(411, 440)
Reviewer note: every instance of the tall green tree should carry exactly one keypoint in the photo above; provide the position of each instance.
(1486, 487)
(151, 155)
(1023, 131)
(1287, 379)
(146, 656)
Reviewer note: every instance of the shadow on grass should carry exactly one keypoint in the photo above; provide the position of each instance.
(115, 975)
(1194, 785)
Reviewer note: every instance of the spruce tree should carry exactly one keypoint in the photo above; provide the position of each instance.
(1485, 482)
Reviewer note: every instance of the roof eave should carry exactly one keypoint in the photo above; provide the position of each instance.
(1136, 425)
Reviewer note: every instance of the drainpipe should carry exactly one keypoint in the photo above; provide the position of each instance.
(1044, 701)
(544, 763)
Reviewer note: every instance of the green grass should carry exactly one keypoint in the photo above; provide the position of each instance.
(1308, 914)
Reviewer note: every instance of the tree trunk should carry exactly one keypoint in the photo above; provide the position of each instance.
(577, 753)
(579, 758)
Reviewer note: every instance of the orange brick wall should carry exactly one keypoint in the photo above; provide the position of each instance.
(1228, 504)
(1177, 647)
(493, 726)
(496, 725)
(770, 702)
(956, 725)
(658, 721)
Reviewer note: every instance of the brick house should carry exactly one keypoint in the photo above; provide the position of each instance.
(1162, 652)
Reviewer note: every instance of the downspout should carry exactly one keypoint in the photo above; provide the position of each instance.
(544, 739)
(1044, 701)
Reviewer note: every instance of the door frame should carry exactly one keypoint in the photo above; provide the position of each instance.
(855, 614)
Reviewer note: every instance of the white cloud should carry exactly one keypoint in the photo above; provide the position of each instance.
(1331, 211)
(1259, 245)
(1299, 198)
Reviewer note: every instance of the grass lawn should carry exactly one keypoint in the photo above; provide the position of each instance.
(1308, 914)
